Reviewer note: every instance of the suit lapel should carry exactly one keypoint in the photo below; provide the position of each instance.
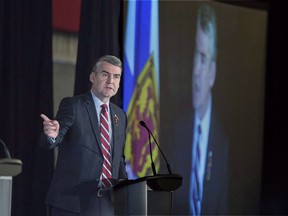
(93, 118)
(210, 149)
(114, 127)
(209, 183)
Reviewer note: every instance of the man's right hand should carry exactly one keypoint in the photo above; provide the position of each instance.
(50, 127)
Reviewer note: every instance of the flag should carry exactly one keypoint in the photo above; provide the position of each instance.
(141, 86)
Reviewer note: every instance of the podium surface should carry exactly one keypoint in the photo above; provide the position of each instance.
(152, 195)
(9, 167)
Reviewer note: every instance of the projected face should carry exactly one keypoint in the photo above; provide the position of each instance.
(203, 72)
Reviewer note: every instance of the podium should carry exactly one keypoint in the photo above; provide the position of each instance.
(8, 168)
(152, 195)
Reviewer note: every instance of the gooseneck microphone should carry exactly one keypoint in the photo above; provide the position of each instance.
(5, 149)
(151, 156)
(143, 124)
(159, 182)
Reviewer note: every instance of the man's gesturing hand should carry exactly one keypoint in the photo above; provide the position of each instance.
(50, 127)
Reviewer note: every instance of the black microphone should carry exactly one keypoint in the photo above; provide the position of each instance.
(150, 147)
(143, 124)
(5, 149)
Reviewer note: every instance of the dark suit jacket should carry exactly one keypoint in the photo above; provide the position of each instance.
(79, 154)
(215, 186)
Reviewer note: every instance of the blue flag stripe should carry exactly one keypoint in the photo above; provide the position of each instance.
(142, 35)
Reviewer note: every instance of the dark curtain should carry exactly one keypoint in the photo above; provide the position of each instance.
(99, 34)
(275, 163)
(25, 93)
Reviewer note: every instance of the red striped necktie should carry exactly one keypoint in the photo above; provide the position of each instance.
(106, 150)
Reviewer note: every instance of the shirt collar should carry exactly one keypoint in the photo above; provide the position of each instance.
(98, 102)
(205, 123)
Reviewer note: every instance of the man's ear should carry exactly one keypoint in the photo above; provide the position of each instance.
(92, 77)
(212, 75)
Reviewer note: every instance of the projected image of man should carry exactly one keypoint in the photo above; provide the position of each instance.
(209, 177)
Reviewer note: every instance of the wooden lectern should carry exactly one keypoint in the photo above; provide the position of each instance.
(8, 168)
(150, 195)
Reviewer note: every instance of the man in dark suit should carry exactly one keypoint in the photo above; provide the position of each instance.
(205, 178)
(215, 199)
(76, 131)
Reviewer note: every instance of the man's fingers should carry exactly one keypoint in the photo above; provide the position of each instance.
(44, 117)
(55, 122)
(51, 127)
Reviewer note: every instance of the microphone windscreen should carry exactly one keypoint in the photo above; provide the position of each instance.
(142, 123)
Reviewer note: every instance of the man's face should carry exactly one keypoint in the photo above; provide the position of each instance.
(106, 81)
(204, 71)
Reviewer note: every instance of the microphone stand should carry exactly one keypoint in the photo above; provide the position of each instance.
(5, 149)
(161, 182)
(152, 162)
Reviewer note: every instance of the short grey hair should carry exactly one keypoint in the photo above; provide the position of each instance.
(107, 58)
(208, 22)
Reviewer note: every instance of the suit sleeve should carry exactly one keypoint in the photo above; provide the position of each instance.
(65, 116)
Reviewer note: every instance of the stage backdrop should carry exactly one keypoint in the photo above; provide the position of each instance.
(25, 93)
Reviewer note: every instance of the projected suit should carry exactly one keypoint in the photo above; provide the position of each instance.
(215, 199)
(78, 137)
(199, 137)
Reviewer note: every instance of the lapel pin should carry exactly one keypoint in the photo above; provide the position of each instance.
(209, 165)
(116, 120)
